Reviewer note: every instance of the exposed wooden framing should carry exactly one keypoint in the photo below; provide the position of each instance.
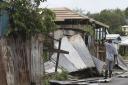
(58, 54)
(100, 49)
(57, 50)
(74, 29)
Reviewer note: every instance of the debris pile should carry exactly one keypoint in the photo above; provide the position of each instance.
(79, 57)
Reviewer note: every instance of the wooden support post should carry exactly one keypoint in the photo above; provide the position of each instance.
(58, 54)
(99, 36)
(102, 31)
(96, 35)
(36, 61)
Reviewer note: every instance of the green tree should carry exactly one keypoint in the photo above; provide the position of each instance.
(27, 24)
(126, 12)
(114, 18)
(25, 16)
(79, 10)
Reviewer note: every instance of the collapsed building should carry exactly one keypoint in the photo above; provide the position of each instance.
(86, 53)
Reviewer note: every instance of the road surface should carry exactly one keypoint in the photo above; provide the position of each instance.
(116, 81)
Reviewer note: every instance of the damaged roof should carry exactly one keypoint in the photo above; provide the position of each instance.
(79, 45)
(63, 14)
(78, 58)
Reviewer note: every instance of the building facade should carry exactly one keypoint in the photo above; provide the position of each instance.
(125, 29)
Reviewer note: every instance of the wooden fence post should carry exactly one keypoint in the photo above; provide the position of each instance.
(36, 61)
(3, 80)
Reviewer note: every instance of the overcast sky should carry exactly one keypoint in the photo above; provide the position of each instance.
(87, 5)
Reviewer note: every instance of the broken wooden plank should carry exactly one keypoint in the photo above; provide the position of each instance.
(36, 61)
(57, 50)
(124, 75)
(55, 82)
(58, 54)
(2, 68)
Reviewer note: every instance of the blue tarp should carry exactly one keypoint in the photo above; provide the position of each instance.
(4, 22)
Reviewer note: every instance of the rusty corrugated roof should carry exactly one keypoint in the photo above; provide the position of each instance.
(64, 13)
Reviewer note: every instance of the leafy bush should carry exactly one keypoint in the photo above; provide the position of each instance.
(25, 16)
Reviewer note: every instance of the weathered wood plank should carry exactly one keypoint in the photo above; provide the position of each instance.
(8, 63)
(36, 61)
(2, 69)
(20, 61)
(57, 50)
(19, 58)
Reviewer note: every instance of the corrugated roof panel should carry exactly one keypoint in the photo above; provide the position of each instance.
(50, 67)
(79, 45)
(124, 41)
(98, 23)
(68, 15)
(64, 18)
(65, 63)
(121, 63)
(99, 64)
(112, 36)
(73, 55)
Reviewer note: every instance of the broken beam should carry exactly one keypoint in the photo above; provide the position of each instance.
(58, 54)
(57, 50)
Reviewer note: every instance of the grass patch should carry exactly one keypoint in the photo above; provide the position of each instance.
(55, 76)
